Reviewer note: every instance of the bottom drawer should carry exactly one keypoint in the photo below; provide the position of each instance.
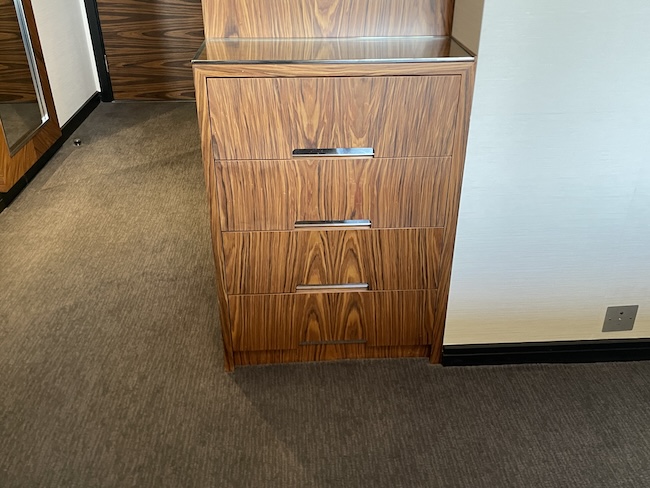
(287, 321)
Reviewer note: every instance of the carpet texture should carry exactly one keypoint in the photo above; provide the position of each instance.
(111, 367)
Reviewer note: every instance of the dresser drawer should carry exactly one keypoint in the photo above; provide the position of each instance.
(396, 116)
(275, 322)
(283, 262)
(274, 195)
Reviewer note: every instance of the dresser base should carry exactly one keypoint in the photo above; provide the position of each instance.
(259, 191)
(329, 353)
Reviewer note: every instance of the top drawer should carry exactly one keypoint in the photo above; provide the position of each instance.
(269, 118)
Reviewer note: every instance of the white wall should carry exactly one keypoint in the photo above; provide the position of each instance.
(65, 37)
(555, 211)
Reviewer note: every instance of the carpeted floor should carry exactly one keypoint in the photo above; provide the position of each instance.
(111, 370)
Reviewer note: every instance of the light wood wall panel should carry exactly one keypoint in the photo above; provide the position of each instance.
(327, 18)
(149, 46)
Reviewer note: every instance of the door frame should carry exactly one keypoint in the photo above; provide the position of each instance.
(99, 50)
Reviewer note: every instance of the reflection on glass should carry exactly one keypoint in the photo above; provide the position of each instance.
(332, 50)
(22, 107)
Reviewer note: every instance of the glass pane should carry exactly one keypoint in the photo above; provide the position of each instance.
(331, 50)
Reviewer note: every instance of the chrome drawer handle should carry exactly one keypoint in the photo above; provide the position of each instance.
(336, 287)
(305, 224)
(335, 152)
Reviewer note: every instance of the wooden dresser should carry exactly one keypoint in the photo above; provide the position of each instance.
(333, 136)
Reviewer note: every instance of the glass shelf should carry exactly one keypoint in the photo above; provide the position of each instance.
(332, 50)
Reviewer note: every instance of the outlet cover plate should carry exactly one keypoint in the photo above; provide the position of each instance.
(620, 318)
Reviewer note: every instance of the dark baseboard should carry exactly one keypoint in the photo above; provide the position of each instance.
(80, 115)
(547, 352)
(66, 131)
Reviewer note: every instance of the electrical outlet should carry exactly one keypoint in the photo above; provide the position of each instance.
(620, 318)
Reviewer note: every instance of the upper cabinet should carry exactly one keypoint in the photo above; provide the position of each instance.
(327, 18)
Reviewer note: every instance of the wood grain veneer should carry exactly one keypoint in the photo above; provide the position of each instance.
(149, 45)
(306, 70)
(326, 18)
(328, 352)
(333, 112)
(200, 81)
(12, 168)
(458, 164)
(259, 114)
(277, 262)
(273, 195)
(277, 322)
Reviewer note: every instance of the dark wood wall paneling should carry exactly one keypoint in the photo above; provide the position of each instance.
(149, 45)
(16, 79)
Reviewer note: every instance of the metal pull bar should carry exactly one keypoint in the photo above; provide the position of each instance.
(335, 152)
(302, 224)
(335, 287)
